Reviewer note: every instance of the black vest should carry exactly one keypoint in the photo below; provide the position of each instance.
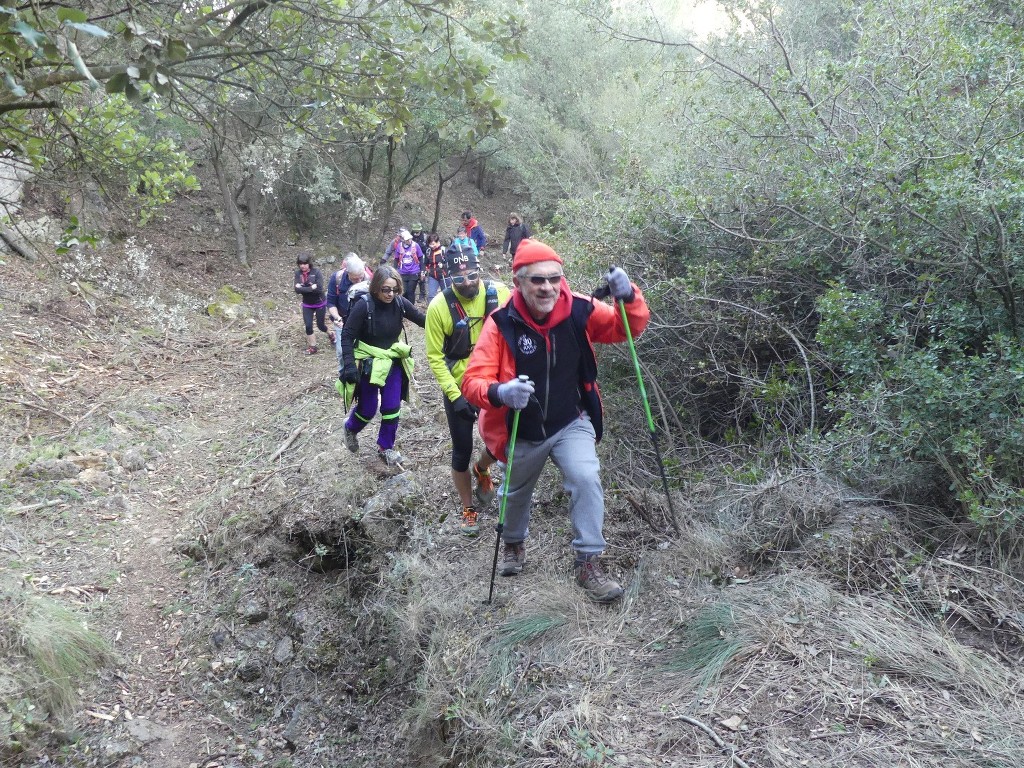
(564, 371)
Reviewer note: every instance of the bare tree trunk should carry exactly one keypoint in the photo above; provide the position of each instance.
(441, 180)
(252, 201)
(367, 169)
(230, 209)
(481, 173)
(389, 193)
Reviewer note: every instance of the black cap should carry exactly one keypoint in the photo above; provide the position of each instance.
(458, 257)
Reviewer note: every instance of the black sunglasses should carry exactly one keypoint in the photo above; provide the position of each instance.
(387, 289)
(460, 279)
(541, 279)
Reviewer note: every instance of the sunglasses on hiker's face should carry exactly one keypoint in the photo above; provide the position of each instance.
(539, 280)
(469, 276)
(387, 289)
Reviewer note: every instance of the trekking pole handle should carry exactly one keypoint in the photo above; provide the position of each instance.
(523, 377)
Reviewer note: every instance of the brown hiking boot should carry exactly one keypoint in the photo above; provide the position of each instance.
(598, 585)
(469, 526)
(513, 559)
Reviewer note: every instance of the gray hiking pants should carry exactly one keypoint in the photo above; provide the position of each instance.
(573, 449)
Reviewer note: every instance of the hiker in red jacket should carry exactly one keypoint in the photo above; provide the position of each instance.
(546, 332)
(474, 230)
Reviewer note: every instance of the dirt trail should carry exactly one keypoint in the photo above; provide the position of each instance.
(176, 423)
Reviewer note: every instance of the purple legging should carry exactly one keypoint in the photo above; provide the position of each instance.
(390, 399)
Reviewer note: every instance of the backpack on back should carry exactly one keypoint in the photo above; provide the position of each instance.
(458, 346)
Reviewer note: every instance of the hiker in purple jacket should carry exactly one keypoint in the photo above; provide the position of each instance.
(407, 258)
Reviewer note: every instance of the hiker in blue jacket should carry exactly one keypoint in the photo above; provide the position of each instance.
(474, 230)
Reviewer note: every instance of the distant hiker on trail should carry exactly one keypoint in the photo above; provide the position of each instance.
(464, 242)
(407, 258)
(376, 362)
(560, 406)
(474, 230)
(389, 252)
(420, 238)
(515, 232)
(433, 265)
(353, 271)
(454, 319)
(309, 284)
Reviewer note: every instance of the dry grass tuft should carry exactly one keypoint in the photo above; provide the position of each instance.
(49, 653)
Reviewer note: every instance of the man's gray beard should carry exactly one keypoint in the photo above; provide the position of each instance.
(472, 291)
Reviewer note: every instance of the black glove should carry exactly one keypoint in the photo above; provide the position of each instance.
(350, 374)
(464, 409)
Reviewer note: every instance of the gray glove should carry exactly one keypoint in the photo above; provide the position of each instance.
(619, 285)
(515, 393)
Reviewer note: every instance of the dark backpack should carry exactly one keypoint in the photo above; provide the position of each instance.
(458, 346)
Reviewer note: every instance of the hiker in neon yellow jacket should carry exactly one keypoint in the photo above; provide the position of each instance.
(375, 362)
(454, 319)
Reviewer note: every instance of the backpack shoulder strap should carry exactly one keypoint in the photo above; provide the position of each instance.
(491, 294)
(453, 305)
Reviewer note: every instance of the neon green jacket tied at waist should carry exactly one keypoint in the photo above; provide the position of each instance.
(383, 359)
(380, 367)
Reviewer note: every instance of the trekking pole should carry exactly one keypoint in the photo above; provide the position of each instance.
(504, 495)
(603, 292)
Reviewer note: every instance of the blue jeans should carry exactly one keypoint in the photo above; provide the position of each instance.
(337, 347)
(573, 449)
(433, 287)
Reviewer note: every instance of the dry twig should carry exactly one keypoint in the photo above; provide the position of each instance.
(729, 749)
(291, 439)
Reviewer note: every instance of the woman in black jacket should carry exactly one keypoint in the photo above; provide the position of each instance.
(376, 362)
(515, 232)
(309, 284)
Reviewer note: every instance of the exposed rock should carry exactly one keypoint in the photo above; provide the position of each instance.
(226, 303)
(95, 478)
(98, 460)
(145, 731)
(386, 516)
(118, 749)
(254, 611)
(284, 651)
(133, 460)
(51, 469)
(249, 670)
